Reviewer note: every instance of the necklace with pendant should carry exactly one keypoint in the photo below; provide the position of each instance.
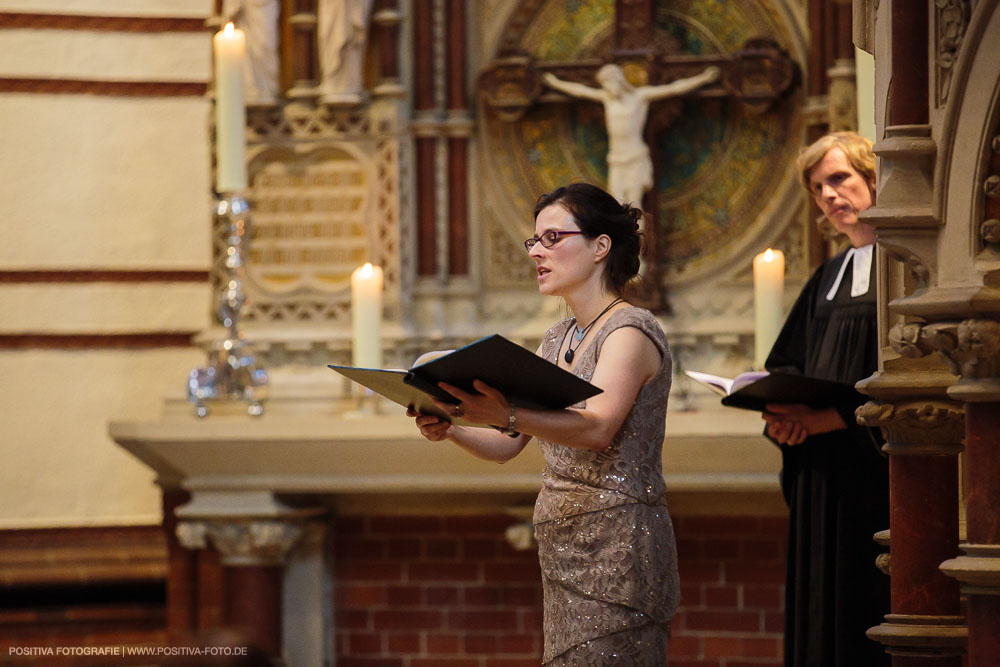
(581, 333)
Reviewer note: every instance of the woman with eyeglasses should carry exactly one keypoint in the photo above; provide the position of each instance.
(606, 542)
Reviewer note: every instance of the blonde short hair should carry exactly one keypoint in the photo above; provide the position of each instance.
(857, 149)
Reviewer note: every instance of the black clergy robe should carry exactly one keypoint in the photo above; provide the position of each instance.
(836, 484)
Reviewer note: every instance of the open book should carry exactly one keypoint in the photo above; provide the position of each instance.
(755, 389)
(524, 378)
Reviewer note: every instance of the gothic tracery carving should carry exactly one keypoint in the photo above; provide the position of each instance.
(952, 18)
(970, 347)
(926, 426)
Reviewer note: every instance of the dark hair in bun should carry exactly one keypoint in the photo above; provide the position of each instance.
(596, 212)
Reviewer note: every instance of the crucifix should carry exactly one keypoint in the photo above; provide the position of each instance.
(758, 75)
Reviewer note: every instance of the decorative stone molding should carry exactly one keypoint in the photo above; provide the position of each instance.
(951, 18)
(258, 542)
(978, 569)
(923, 427)
(904, 219)
(970, 347)
(922, 636)
(989, 231)
(842, 96)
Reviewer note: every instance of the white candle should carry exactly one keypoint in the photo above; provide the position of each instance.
(230, 113)
(366, 316)
(768, 298)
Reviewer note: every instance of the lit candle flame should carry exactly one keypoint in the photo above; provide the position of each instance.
(366, 270)
(768, 255)
(229, 29)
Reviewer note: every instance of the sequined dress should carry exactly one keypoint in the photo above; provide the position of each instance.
(606, 542)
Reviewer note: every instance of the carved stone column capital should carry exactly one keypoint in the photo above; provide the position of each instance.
(247, 527)
(922, 427)
(978, 569)
(254, 542)
(970, 347)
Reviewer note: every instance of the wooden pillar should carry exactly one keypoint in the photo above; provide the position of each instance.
(979, 567)
(923, 439)
(459, 123)
(387, 20)
(909, 91)
(426, 142)
(182, 572)
(253, 604)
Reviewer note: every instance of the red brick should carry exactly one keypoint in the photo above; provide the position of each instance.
(762, 597)
(689, 548)
(481, 548)
(512, 662)
(762, 647)
(482, 596)
(721, 596)
(755, 573)
(443, 644)
(520, 643)
(398, 596)
(762, 549)
(485, 644)
(407, 620)
(438, 596)
(701, 572)
(369, 662)
(364, 643)
(359, 549)
(477, 525)
(720, 548)
(355, 596)
(512, 572)
(530, 620)
(403, 642)
(441, 548)
(405, 525)
(438, 571)
(521, 596)
(350, 525)
(403, 548)
(362, 571)
(692, 595)
(684, 646)
(352, 619)
(444, 662)
(481, 620)
(774, 621)
(724, 621)
(690, 663)
(723, 647)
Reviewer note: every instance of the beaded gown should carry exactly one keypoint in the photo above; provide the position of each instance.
(606, 541)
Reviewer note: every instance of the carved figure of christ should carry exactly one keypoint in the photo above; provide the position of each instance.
(630, 169)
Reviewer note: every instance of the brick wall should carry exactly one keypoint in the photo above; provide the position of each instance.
(450, 592)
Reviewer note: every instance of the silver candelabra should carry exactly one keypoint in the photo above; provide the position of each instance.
(232, 372)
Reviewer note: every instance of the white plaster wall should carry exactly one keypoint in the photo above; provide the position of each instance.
(92, 181)
(60, 468)
(105, 183)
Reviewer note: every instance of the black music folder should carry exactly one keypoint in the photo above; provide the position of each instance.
(757, 389)
(524, 378)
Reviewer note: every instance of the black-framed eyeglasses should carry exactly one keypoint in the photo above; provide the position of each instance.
(548, 239)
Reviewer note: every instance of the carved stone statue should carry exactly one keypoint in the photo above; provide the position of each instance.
(343, 32)
(258, 19)
(630, 170)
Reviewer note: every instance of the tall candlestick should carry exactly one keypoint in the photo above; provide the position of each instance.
(768, 297)
(230, 113)
(366, 316)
